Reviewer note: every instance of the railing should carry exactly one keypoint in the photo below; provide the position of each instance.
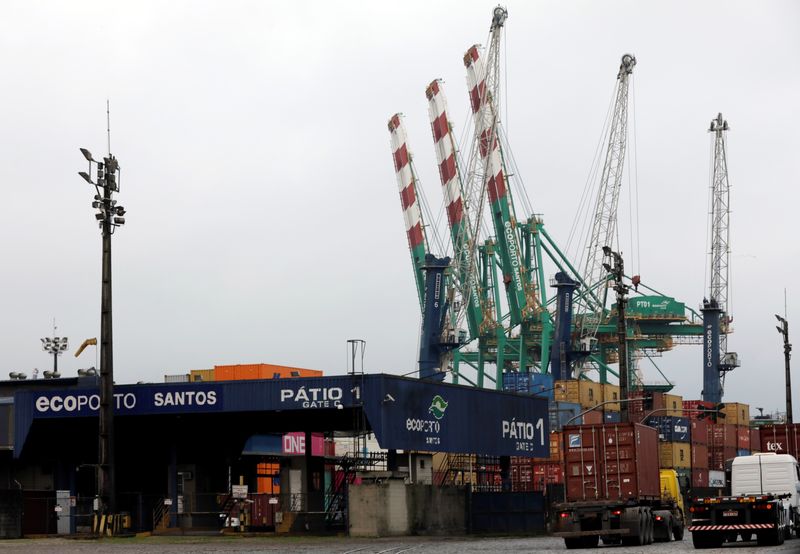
(161, 513)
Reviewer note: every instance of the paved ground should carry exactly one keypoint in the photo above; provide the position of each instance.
(319, 545)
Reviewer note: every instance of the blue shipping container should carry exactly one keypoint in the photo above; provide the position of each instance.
(670, 428)
(538, 384)
(743, 452)
(562, 412)
(611, 417)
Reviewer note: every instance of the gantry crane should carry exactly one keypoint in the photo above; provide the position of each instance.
(717, 361)
(430, 272)
(604, 226)
(513, 329)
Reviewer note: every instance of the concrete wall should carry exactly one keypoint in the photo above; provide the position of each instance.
(392, 508)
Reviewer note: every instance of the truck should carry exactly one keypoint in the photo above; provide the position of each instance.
(764, 501)
(614, 490)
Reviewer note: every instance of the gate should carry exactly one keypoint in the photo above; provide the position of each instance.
(507, 512)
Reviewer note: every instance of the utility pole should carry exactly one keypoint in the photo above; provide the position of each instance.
(783, 329)
(109, 216)
(617, 271)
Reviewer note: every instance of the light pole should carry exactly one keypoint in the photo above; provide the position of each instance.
(109, 216)
(617, 271)
(783, 329)
(55, 346)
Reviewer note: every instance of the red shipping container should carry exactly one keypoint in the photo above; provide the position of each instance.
(755, 440)
(615, 461)
(690, 405)
(699, 431)
(699, 456)
(595, 417)
(781, 439)
(742, 437)
(722, 435)
(718, 456)
(699, 478)
(547, 473)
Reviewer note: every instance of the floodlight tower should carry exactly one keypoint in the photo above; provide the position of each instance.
(109, 216)
(55, 346)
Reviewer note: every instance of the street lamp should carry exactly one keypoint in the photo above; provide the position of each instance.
(783, 329)
(109, 216)
(55, 346)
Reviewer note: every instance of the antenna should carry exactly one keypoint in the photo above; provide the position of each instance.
(108, 125)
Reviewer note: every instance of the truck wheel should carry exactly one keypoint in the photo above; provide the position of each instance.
(573, 542)
(773, 537)
(590, 541)
(649, 525)
(677, 531)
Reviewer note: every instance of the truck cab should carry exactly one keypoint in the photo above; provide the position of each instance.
(764, 501)
(669, 516)
(769, 473)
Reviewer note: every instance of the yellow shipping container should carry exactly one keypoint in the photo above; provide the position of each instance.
(736, 414)
(586, 393)
(203, 375)
(610, 392)
(674, 455)
(674, 405)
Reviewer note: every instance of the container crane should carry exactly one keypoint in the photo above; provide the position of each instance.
(458, 214)
(604, 226)
(487, 171)
(430, 272)
(717, 361)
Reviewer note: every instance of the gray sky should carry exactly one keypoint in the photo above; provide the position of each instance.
(263, 218)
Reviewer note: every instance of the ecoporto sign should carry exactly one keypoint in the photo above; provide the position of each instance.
(136, 400)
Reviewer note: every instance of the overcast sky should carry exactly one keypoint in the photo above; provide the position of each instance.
(263, 217)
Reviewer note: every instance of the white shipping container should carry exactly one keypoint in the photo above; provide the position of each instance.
(183, 378)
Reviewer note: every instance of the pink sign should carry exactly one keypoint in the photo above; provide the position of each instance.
(295, 444)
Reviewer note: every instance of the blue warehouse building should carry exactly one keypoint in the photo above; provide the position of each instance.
(182, 449)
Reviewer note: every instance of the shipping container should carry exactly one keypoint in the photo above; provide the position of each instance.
(181, 378)
(674, 405)
(670, 429)
(691, 408)
(742, 452)
(560, 414)
(201, 375)
(539, 384)
(755, 440)
(721, 435)
(718, 456)
(737, 414)
(674, 455)
(556, 451)
(546, 473)
(595, 417)
(699, 478)
(612, 417)
(699, 456)
(743, 437)
(240, 372)
(610, 392)
(579, 391)
(716, 479)
(698, 431)
(781, 439)
(611, 462)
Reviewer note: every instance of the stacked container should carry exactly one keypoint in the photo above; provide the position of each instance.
(563, 413)
(698, 431)
(674, 450)
(579, 391)
(540, 384)
(781, 439)
(722, 439)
